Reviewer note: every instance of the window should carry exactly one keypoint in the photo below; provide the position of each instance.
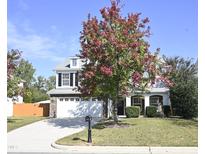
(66, 99)
(137, 101)
(61, 99)
(74, 62)
(155, 100)
(65, 79)
(85, 99)
(159, 84)
(71, 99)
(77, 99)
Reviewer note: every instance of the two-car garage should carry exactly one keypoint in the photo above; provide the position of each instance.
(78, 107)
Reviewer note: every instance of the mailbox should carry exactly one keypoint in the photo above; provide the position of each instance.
(88, 119)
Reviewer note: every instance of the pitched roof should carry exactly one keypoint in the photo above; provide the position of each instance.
(65, 65)
(159, 90)
(63, 91)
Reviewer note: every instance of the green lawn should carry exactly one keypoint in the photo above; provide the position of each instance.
(140, 132)
(16, 122)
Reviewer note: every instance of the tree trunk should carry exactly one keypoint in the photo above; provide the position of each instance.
(116, 100)
(105, 107)
(171, 109)
(114, 110)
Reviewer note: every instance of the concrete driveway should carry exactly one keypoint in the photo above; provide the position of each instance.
(37, 137)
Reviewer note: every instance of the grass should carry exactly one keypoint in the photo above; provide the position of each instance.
(139, 132)
(16, 122)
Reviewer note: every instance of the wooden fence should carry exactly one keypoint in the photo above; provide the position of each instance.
(31, 109)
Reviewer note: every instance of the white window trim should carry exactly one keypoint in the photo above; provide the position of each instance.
(72, 62)
(63, 79)
(66, 86)
(154, 104)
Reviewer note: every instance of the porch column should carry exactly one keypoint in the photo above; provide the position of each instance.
(166, 100)
(109, 108)
(146, 100)
(128, 101)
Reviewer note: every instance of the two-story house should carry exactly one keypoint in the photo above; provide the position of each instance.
(66, 101)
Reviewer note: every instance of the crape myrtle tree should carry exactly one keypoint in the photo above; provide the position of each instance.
(117, 56)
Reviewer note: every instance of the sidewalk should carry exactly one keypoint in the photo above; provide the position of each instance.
(125, 149)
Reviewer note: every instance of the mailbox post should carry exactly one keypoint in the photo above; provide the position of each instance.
(88, 119)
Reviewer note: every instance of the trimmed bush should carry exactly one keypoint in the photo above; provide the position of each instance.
(132, 111)
(151, 111)
(166, 110)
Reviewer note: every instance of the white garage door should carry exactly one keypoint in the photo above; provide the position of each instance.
(74, 107)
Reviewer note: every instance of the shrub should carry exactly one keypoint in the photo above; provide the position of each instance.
(166, 110)
(151, 111)
(132, 111)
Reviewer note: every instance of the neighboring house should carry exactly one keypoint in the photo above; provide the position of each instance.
(66, 101)
(9, 107)
(15, 99)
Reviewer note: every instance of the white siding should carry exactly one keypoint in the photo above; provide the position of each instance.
(166, 100)
(146, 100)
(128, 101)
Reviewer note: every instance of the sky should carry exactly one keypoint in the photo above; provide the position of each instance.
(48, 31)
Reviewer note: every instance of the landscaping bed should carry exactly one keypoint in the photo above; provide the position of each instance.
(16, 122)
(139, 132)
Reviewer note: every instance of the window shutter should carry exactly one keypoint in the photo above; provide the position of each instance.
(76, 79)
(71, 79)
(59, 79)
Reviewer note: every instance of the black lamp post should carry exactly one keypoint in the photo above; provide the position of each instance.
(88, 119)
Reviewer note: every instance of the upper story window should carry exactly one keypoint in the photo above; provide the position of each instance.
(74, 62)
(65, 79)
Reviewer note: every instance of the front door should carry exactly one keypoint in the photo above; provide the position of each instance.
(121, 107)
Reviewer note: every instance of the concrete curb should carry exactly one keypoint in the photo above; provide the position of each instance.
(125, 149)
(58, 146)
(102, 149)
